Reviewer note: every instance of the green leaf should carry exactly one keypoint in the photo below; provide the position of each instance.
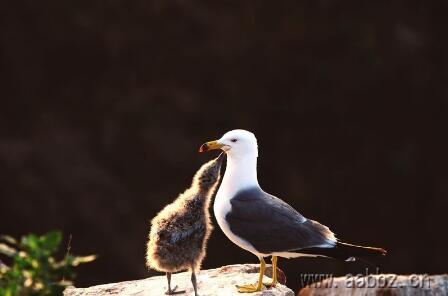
(34, 270)
(7, 250)
(30, 242)
(51, 241)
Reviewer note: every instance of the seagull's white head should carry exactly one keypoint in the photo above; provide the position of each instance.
(236, 143)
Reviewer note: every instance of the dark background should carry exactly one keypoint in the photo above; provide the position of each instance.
(105, 103)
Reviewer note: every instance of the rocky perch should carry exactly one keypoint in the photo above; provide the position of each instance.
(220, 281)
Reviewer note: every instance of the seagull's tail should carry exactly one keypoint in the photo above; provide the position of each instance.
(346, 251)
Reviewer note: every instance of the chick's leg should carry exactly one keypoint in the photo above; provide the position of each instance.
(171, 291)
(251, 288)
(193, 281)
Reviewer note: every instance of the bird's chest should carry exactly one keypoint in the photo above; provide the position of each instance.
(222, 207)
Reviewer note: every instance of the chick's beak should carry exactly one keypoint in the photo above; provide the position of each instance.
(212, 145)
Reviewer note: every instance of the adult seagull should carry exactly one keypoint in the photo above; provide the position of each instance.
(262, 223)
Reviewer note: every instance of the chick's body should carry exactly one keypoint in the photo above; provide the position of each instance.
(179, 233)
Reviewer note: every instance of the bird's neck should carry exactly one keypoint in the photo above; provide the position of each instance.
(241, 173)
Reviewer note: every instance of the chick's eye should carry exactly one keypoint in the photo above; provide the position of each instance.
(234, 140)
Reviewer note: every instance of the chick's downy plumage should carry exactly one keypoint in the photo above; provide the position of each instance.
(179, 233)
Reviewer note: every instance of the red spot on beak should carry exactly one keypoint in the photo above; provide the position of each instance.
(203, 147)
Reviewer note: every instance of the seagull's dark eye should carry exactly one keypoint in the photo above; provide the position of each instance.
(233, 140)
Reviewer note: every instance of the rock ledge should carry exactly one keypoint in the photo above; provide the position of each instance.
(219, 281)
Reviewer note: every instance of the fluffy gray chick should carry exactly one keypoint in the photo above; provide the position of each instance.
(179, 233)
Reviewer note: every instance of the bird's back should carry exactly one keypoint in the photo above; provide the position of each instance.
(256, 215)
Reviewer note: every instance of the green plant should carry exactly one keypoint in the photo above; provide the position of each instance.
(33, 269)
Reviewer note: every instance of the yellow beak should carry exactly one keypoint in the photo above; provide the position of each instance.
(212, 145)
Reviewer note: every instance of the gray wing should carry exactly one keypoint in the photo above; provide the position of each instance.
(271, 225)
